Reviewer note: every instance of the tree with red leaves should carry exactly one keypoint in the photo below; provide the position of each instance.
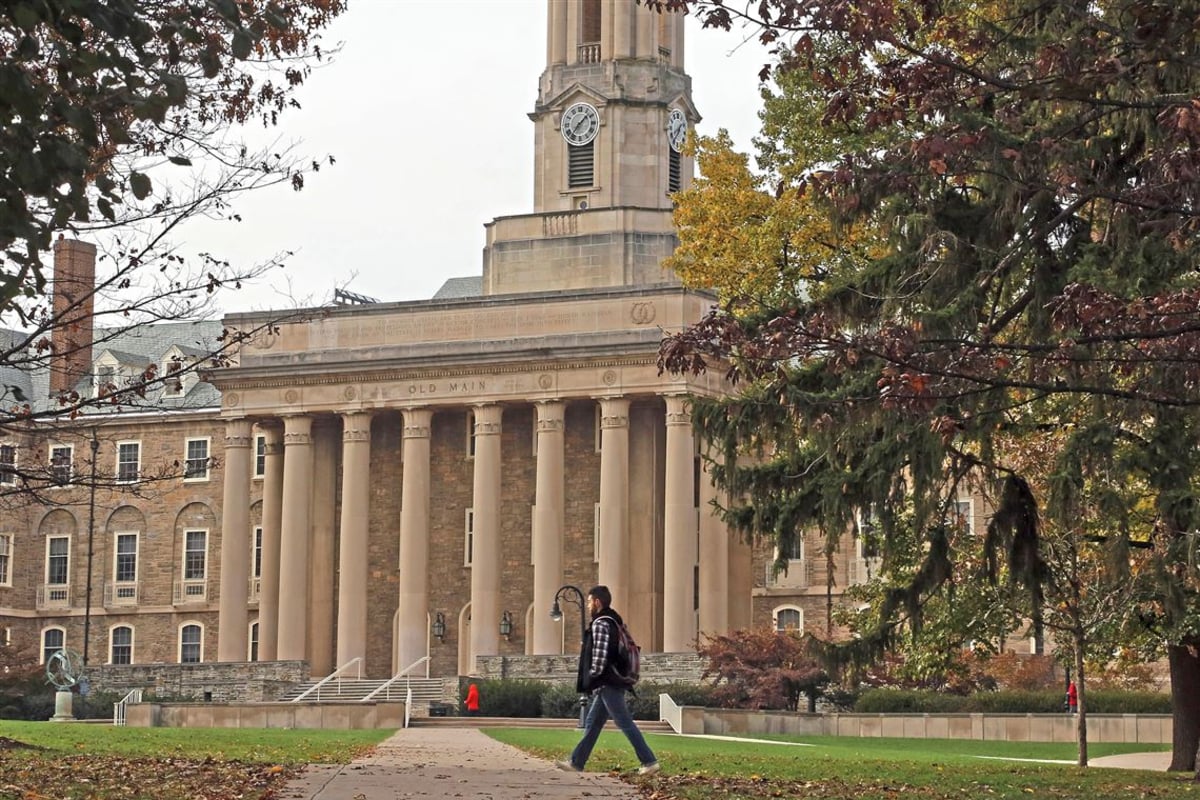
(1031, 174)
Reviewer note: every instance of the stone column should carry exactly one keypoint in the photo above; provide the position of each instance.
(412, 620)
(646, 22)
(556, 35)
(548, 526)
(294, 538)
(272, 509)
(714, 563)
(352, 555)
(233, 615)
(614, 498)
(622, 29)
(485, 550)
(679, 534)
(322, 547)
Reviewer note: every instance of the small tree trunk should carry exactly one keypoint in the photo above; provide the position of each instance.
(1080, 704)
(1185, 707)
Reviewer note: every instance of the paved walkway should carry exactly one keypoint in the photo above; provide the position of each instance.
(451, 763)
(433, 763)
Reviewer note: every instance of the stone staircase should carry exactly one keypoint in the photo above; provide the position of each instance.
(349, 690)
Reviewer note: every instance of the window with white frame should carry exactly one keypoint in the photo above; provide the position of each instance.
(867, 535)
(172, 379)
(62, 464)
(963, 517)
(105, 380)
(599, 427)
(120, 645)
(789, 619)
(125, 558)
(53, 640)
(253, 639)
(195, 555)
(257, 555)
(470, 434)
(6, 546)
(8, 464)
(469, 537)
(195, 466)
(260, 456)
(129, 461)
(191, 644)
(58, 560)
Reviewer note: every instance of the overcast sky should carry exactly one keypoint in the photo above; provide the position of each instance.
(425, 110)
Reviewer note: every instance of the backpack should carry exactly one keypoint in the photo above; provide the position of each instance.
(627, 665)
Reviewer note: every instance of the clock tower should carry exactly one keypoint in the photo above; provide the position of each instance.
(613, 110)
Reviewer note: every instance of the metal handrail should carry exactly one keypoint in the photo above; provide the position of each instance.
(119, 707)
(401, 674)
(335, 675)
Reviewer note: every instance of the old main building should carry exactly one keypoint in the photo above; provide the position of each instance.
(399, 480)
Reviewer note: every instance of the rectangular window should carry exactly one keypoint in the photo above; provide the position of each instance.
(470, 434)
(673, 172)
(129, 461)
(964, 519)
(258, 552)
(195, 555)
(122, 645)
(196, 463)
(468, 537)
(253, 641)
(596, 533)
(105, 381)
(6, 544)
(8, 464)
(580, 161)
(260, 456)
(172, 381)
(58, 553)
(62, 464)
(125, 566)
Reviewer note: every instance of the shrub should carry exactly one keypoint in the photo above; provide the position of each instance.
(508, 698)
(560, 701)
(645, 704)
(895, 701)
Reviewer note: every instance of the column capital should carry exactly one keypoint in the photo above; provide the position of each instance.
(614, 412)
(237, 433)
(417, 422)
(487, 419)
(297, 429)
(679, 410)
(550, 415)
(356, 426)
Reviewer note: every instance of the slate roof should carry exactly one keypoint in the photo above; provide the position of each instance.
(22, 376)
(460, 287)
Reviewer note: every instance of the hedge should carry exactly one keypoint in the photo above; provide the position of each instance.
(900, 701)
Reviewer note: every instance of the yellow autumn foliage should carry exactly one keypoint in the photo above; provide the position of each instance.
(745, 242)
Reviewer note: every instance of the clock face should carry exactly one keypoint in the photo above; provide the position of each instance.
(580, 123)
(676, 129)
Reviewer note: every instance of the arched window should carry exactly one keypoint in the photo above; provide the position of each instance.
(120, 645)
(53, 640)
(789, 618)
(191, 643)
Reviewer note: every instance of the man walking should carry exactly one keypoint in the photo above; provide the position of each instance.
(598, 676)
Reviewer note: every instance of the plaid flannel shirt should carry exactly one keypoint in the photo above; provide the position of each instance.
(601, 633)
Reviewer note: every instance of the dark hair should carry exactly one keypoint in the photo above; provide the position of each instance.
(602, 594)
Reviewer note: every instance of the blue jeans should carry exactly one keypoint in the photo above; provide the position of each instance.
(609, 701)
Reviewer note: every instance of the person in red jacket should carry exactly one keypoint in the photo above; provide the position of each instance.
(1072, 698)
(472, 701)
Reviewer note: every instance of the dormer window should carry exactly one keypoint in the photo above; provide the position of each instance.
(104, 380)
(172, 377)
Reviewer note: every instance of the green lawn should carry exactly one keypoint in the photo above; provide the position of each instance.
(846, 768)
(71, 761)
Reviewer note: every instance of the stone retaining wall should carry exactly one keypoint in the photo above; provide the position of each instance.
(656, 667)
(1129, 728)
(249, 682)
(340, 716)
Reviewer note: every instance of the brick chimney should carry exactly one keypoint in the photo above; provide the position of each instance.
(74, 285)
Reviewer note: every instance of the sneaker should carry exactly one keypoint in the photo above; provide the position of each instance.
(566, 766)
(649, 769)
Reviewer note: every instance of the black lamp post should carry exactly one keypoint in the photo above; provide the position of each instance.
(574, 595)
(87, 606)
